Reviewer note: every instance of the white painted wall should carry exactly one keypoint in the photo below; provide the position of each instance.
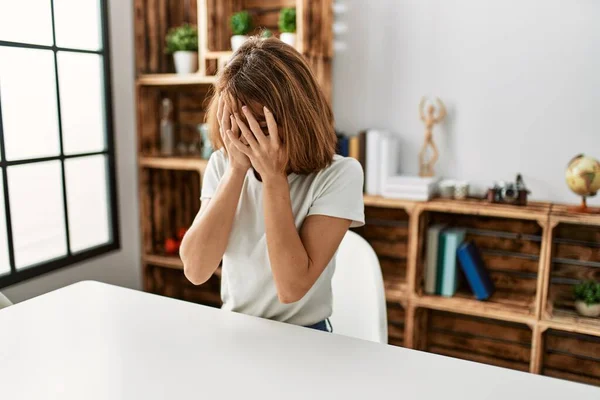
(521, 79)
(123, 267)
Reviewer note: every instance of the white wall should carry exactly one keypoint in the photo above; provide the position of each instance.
(123, 267)
(521, 79)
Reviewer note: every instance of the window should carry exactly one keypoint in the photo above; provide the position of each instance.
(57, 162)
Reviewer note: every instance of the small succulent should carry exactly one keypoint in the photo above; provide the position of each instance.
(287, 20)
(266, 33)
(241, 23)
(588, 292)
(182, 38)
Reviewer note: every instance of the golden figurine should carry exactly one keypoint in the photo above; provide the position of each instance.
(426, 167)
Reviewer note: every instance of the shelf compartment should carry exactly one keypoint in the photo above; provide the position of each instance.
(482, 340)
(174, 79)
(189, 112)
(170, 201)
(512, 252)
(571, 356)
(575, 257)
(386, 230)
(396, 319)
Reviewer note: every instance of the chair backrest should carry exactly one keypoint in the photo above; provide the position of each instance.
(4, 302)
(359, 308)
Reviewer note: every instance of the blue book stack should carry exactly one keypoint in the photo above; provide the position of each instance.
(450, 240)
(477, 276)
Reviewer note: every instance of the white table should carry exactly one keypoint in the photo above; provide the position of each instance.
(96, 341)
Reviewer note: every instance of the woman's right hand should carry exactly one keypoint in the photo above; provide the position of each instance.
(237, 159)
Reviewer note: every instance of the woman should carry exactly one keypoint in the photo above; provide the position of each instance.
(276, 201)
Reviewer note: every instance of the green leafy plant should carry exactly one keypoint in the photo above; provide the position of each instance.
(266, 33)
(241, 23)
(287, 20)
(588, 292)
(182, 38)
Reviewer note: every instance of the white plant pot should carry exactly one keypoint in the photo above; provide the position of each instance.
(592, 310)
(237, 41)
(289, 38)
(186, 62)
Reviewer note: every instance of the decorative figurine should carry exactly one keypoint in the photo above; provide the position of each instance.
(426, 166)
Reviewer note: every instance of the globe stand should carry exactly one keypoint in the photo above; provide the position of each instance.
(583, 208)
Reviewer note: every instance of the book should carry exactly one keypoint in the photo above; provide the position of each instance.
(353, 148)
(410, 187)
(372, 178)
(472, 265)
(342, 145)
(388, 151)
(439, 276)
(431, 258)
(453, 239)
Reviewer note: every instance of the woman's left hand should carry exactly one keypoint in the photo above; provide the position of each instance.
(266, 152)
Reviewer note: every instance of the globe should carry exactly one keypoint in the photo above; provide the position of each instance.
(583, 176)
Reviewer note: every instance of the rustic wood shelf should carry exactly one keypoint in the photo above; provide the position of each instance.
(562, 213)
(572, 322)
(173, 262)
(174, 80)
(174, 163)
(379, 201)
(532, 211)
(461, 305)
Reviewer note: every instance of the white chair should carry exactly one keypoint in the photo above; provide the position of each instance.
(359, 308)
(4, 302)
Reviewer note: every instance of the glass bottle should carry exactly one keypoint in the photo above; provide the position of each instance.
(166, 128)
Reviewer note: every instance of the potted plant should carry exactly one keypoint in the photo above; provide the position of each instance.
(241, 24)
(266, 33)
(182, 42)
(587, 298)
(287, 26)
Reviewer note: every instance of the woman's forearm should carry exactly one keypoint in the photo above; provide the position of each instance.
(205, 242)
(289, 260)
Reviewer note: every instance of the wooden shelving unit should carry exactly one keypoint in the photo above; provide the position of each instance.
(534, 253)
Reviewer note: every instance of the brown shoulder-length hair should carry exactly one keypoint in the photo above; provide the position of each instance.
(268, 72)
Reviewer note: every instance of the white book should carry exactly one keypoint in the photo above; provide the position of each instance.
(433, 236)
(373, 162)
(388, 145)
(406, 196)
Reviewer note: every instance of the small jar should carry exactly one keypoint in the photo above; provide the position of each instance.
(461, 190)
(447, 189)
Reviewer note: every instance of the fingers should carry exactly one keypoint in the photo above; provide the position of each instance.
(254, 126)
(234, 126)
(246, 132)
(225, 120)
(235, 141)
(220, 108)
(272, 126)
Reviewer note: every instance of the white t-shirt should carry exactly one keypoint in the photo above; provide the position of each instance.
(247, 284)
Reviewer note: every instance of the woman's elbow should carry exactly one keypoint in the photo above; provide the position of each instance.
(291, 295)
(191, 269)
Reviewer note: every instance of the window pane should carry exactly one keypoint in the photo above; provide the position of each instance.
(29, 111)
(87, 202)
(77, 24)
(81, 102)
(26, 21)
(36, 207)
(4, 262)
